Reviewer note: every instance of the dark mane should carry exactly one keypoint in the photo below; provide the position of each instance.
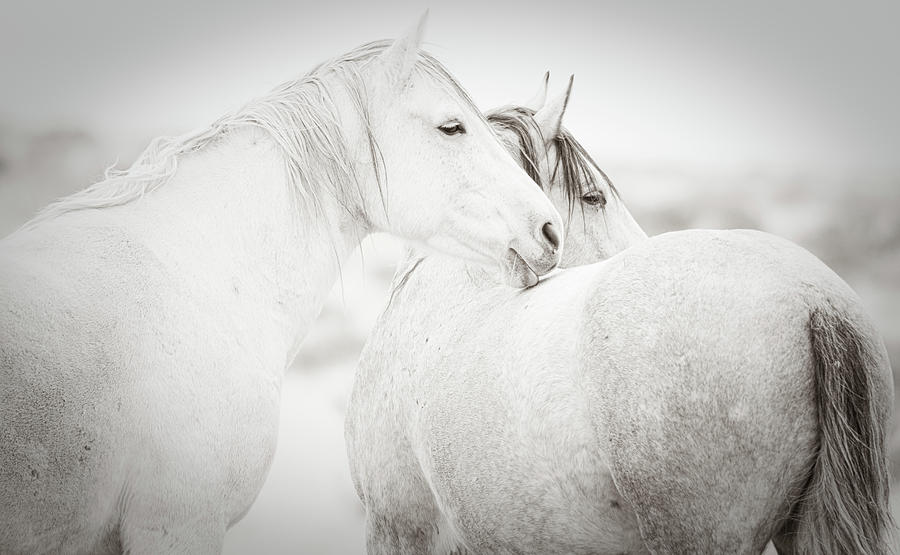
(576, 165)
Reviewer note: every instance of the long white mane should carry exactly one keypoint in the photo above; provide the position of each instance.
(300, 116)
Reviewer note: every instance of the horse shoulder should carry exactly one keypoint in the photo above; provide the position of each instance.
(380, 441)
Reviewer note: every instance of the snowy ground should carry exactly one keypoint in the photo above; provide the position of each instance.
(308, 504)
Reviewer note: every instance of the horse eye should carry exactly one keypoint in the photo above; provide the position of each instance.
(452, 128)
(594, 198)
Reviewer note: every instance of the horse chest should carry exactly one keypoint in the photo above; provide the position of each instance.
(210, 410)
(239, 425)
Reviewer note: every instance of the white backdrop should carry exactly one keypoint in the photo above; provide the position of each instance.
(777, 115)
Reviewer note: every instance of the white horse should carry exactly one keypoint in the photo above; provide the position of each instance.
(698, 392)
(146, 322)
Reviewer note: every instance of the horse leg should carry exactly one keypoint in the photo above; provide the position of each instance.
(171, 530)
(402, 515)
(390, 535)
(698, 495)
(173, 538)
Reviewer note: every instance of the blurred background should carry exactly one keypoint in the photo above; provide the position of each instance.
(780, 116)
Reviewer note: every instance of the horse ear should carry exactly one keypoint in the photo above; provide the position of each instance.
(540, 97)
(549, 118)
(401, 56)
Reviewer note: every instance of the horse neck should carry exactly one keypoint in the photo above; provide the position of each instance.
(237, 235)
(424, 277)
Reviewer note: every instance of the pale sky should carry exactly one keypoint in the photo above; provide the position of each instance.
(780, 85)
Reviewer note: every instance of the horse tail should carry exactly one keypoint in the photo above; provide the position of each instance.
(845, 507)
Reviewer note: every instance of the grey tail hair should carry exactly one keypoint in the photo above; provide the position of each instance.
(845, 507)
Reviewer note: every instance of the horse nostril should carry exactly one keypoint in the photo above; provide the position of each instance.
(550, 234)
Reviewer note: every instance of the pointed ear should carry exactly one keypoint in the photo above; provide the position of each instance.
(401, 56)
(549, 118)
(540, 97)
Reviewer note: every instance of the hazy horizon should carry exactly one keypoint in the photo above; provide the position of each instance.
(783, 87)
